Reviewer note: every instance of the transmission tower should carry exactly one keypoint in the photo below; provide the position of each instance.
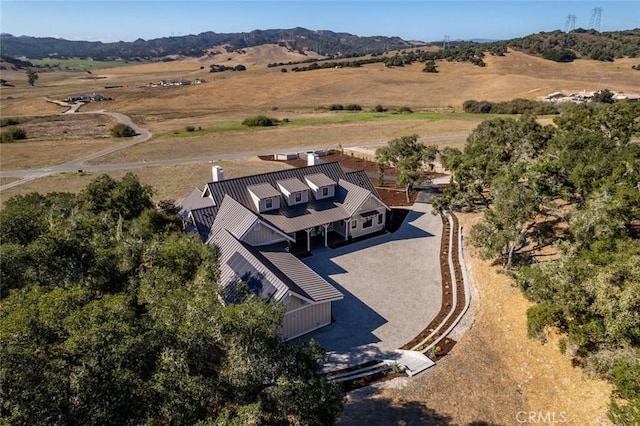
(595, 18)
(570, 25)
(446, 42)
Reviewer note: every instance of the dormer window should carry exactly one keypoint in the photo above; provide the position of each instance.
(264, 196)
(321, 185)
(294, 191)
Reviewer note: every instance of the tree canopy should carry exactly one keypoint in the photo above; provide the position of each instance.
(111, 315)
(408, 156)
(576, 188)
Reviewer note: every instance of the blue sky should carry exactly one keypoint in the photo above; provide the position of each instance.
(411, 20)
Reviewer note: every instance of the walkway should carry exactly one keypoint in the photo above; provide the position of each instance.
(392, 288)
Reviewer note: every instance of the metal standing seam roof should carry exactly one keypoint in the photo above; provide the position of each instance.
(271, 274)
(320, 179)
(263, 190)
(237, 187)
(193, 201)
(238, 263)
(203, 220)
(291, 219)
(316, 287)
(354, 196)
(233, 217)
(360, 178)
(292, 185)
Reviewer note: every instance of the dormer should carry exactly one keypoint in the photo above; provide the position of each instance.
(294, 191)
(265, 197)
(321, 185)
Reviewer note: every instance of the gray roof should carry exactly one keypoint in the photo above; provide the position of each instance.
(292, 185)
(320, 180)
(203, 220)
(263, 190)
(271, 273)
(304, 278)
(201, 210)
(193, 201)
(237, 188)
(233, 217)
(360, 178)
(348, 196)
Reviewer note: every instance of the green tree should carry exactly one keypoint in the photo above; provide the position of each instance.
(32, 77)
(409, 157)
(111, 315)
(121, 130)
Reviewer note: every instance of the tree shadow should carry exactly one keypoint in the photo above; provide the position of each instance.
(363, 409)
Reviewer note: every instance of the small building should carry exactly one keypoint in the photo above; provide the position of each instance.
(91, 97)
(258, 222)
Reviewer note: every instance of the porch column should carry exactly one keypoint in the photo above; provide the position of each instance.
(326, 231)
(347, 225)
(308, 239)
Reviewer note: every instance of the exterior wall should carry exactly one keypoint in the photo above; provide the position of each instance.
(306, 319)
(291, 198)
(293, 303)
(317, 193)
(261, 235)
(360, 230)
(261, 205)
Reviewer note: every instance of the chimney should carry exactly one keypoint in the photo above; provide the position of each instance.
(218, 173)
(312, 159)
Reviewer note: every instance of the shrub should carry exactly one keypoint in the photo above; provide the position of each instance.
(336, 107)
(259, 121)
(353, 107)
(430, 66)
(189, 128)
(121, 130)
(379, 108)
(405, 110)
(626, 377)
(541, 316)
(13, 135)
(8, 121)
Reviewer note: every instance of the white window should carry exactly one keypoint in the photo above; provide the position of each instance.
(379, 219)
(325, 191)
(354, 224)
(268, 203)
(298, 197)
(368, 221)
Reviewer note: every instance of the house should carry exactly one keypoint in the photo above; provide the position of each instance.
(258, 222)
(91, 97)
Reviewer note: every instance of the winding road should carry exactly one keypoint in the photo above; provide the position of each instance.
(27, 175)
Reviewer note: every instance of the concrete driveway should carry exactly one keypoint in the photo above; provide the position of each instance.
(392, 290)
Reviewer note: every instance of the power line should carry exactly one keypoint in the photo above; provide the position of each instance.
(570, 24)
(596, 15)
(446, 42)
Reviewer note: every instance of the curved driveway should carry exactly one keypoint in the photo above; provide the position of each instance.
(392, 286)
(77, 164)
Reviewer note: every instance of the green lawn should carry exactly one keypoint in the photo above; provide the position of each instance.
(80, 64)
(337, 118)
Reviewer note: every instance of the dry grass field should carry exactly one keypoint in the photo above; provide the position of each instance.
(168, 182)
(494, 371)
(492, 374)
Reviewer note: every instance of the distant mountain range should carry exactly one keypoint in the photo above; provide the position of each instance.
(556, 45)
(327, 43)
